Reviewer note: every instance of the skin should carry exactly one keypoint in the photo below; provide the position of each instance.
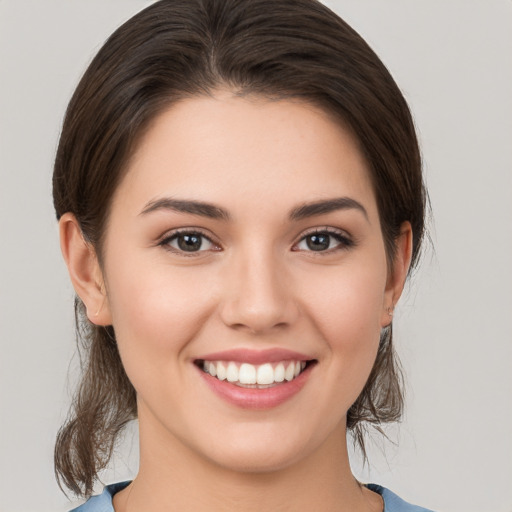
(257, 285)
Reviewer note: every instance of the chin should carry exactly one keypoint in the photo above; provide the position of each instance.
(250, 460)
(264, 450)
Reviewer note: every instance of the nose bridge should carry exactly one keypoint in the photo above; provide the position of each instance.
(258, 297)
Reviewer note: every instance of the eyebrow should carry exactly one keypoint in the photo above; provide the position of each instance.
(186, 206)
(212, 211)
(326, 206)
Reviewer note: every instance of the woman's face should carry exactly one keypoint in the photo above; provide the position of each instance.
(244, 247)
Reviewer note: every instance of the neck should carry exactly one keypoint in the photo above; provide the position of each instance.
(177, 478)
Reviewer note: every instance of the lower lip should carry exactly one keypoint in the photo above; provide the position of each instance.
(253, 398)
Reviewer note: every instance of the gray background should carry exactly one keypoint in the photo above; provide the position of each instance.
(453, 61)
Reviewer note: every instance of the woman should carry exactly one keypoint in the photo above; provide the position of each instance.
(239, 191)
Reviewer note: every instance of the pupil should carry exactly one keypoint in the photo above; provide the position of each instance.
(189, 242)
(318, 242)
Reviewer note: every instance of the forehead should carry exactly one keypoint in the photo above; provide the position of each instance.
(225, 148)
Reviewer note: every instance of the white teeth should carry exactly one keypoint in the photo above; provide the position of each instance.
(289, 372)
(247, 374)
(265, 374)
(279, 373)
(232, 372)
(221, 371)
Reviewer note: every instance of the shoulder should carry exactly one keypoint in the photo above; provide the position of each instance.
(102, 502)
(392, 502)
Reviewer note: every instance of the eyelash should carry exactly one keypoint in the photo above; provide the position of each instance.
(165, 242)
(344, 241)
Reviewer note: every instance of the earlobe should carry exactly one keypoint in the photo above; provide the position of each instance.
(84, 270)
(398, 272)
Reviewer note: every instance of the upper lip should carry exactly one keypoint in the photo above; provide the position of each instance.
(243, 355)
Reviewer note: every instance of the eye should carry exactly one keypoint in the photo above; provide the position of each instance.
(323, 241)
(188, 241)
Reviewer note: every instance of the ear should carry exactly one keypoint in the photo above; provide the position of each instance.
(397, 273)
(84, 270)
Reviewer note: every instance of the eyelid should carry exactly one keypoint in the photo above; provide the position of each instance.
(345, 239)
(164, 240)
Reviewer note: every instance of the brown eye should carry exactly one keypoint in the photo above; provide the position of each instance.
(189, 242)
(322, 241)
(318, 242)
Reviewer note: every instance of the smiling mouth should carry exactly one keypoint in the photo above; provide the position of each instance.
(248, 375)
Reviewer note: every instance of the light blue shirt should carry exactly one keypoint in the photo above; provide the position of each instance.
(103, 502)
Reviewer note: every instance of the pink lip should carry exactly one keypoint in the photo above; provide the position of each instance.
(253, 398)
(256, 356)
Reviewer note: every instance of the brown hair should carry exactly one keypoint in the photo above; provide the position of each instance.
(181, 48)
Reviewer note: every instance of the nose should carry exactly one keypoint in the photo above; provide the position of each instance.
(258, 294)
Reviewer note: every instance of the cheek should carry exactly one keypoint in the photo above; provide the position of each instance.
(348, 303)
(347, 308)
(156, 311)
